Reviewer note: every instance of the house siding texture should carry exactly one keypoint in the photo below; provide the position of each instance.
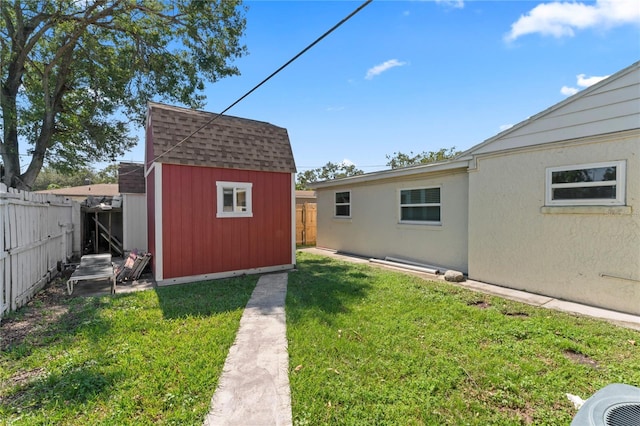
(374, 228)
(195, 242)
(514, 242)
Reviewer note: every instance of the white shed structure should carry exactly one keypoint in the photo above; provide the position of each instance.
(548, 206)
(131, 185)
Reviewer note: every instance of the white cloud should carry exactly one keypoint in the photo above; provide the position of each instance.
(457, 4)
(380, 68)
(560, 19)
(346, 162)
(568, 91)
(505, 127)
(582, 81)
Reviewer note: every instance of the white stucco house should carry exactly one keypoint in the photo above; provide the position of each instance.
(550, 206)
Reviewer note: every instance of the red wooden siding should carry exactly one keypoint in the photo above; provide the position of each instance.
(195, 242)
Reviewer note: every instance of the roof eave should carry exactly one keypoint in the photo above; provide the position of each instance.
(394, 173)
(584, 92)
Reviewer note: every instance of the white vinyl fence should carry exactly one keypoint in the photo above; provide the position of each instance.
(36, 232)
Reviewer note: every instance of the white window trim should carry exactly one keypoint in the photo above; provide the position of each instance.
(419, 222)
(620, 184)
(247, 186)
(335, 206)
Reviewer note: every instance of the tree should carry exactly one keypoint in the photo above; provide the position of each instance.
(75, 74)
(50, 178)
(107, 175)
(399, 159)
(327, 172)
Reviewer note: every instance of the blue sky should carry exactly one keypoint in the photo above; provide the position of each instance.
(417, 75)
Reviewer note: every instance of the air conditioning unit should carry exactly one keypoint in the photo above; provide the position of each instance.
(613, 405)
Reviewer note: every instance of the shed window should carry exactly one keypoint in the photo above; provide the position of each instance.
(343, 204)
(234, 199)
(588, 184)
(420, 205)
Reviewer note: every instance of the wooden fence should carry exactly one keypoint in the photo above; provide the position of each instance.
(306, 224)
(36, 232)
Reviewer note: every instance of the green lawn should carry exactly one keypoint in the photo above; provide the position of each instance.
(152, 357)
(369, 346)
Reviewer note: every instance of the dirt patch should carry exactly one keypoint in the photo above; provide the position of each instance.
(524, 414)
(517, 314)
(23, 377)
(580, 358)
(481, 304)
(34, 318)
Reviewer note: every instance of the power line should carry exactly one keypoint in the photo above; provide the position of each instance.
(302, 52)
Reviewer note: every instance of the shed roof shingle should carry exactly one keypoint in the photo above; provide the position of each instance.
(131, 178)
(227, 142)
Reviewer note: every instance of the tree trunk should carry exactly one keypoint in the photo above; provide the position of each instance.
(8, 100)
(9, 145)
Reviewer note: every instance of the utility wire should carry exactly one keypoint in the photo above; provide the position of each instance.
(302, 52)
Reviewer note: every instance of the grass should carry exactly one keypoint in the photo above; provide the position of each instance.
(152, 357)
(369, 346)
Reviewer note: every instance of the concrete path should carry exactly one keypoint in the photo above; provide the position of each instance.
(254, 386)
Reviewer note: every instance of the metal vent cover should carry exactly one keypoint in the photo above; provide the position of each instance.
(613, 405)
(623, 415)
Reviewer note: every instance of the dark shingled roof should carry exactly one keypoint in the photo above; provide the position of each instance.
(131, 178)
(228, 142)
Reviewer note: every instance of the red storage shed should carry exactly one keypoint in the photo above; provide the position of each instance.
(219, 195)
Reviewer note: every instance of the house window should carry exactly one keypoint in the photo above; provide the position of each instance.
(587, 184)
(234, 199)
(421, 205)
(343, 204)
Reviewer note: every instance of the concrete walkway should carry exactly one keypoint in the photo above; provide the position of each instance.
(254, 386)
